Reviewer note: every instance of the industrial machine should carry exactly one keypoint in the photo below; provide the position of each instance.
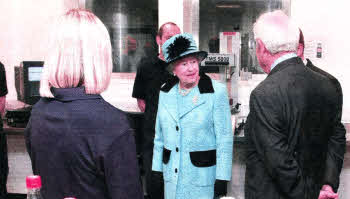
(27, 81)
(226, 67)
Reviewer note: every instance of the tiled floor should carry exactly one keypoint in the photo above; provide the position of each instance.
(344, 188)
(236, 186)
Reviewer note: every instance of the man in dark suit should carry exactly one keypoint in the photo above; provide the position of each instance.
(292, 147)
(151, 74)
(339, 130)
(3, 144)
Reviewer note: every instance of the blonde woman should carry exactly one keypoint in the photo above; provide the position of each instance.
(78, 143)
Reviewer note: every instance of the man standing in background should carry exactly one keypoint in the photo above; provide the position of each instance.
(335, 157)
(3, 144)
(151, 74)
(292, 147)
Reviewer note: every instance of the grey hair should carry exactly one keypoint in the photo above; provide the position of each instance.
(277, 31)
(170, 68)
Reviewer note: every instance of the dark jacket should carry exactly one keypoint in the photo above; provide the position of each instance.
(3, 83)
(3, 143)
(151, 74)
(338, 142)
(293, 147)
(82, 146)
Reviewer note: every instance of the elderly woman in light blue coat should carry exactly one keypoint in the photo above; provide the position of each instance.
(193, 141)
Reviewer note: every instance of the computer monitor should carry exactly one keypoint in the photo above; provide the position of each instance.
(27, 77)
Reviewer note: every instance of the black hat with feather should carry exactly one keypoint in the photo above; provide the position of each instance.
(180, 46)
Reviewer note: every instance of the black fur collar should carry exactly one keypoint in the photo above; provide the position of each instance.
(204, 85)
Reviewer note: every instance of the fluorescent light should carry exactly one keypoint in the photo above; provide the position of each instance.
(228, 6)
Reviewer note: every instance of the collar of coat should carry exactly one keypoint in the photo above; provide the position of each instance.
(170, 103)
(289, 62)
(204, 85)
(71, 94)
(309, 63)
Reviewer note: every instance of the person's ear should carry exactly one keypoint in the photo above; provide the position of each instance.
(260, 47)
(300, 50)
(158, 40)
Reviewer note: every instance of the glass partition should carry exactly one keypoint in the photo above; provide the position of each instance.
(132, 25)
(229, 16)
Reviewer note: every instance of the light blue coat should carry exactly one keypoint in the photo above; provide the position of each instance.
(201, 136)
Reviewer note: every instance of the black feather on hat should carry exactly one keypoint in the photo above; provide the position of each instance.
(179, 46)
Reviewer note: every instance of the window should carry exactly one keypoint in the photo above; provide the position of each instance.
(218, 16)
(132, 26)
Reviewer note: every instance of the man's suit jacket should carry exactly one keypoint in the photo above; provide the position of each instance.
(4, 169)
(339, 141)
(291, 141)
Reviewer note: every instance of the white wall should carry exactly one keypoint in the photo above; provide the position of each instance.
(170, 10)
(24, 27)
(328, 22)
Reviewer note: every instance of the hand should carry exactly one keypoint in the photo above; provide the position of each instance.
(220, 188)
(2, 105)
(141, 104)
(327, 193)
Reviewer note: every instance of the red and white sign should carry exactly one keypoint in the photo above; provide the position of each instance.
(230, 33)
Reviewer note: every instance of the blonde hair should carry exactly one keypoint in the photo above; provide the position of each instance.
(277, 32)
(79, 53)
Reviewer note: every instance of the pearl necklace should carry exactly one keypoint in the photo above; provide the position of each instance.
(184, 92)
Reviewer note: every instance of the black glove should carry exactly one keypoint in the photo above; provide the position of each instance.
(220, 188)
(157, 174)
(155, 185)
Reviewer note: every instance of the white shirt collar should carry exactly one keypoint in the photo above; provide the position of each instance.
(282, 58)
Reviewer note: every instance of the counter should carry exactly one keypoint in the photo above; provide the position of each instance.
(20, 166)
(19, 161)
